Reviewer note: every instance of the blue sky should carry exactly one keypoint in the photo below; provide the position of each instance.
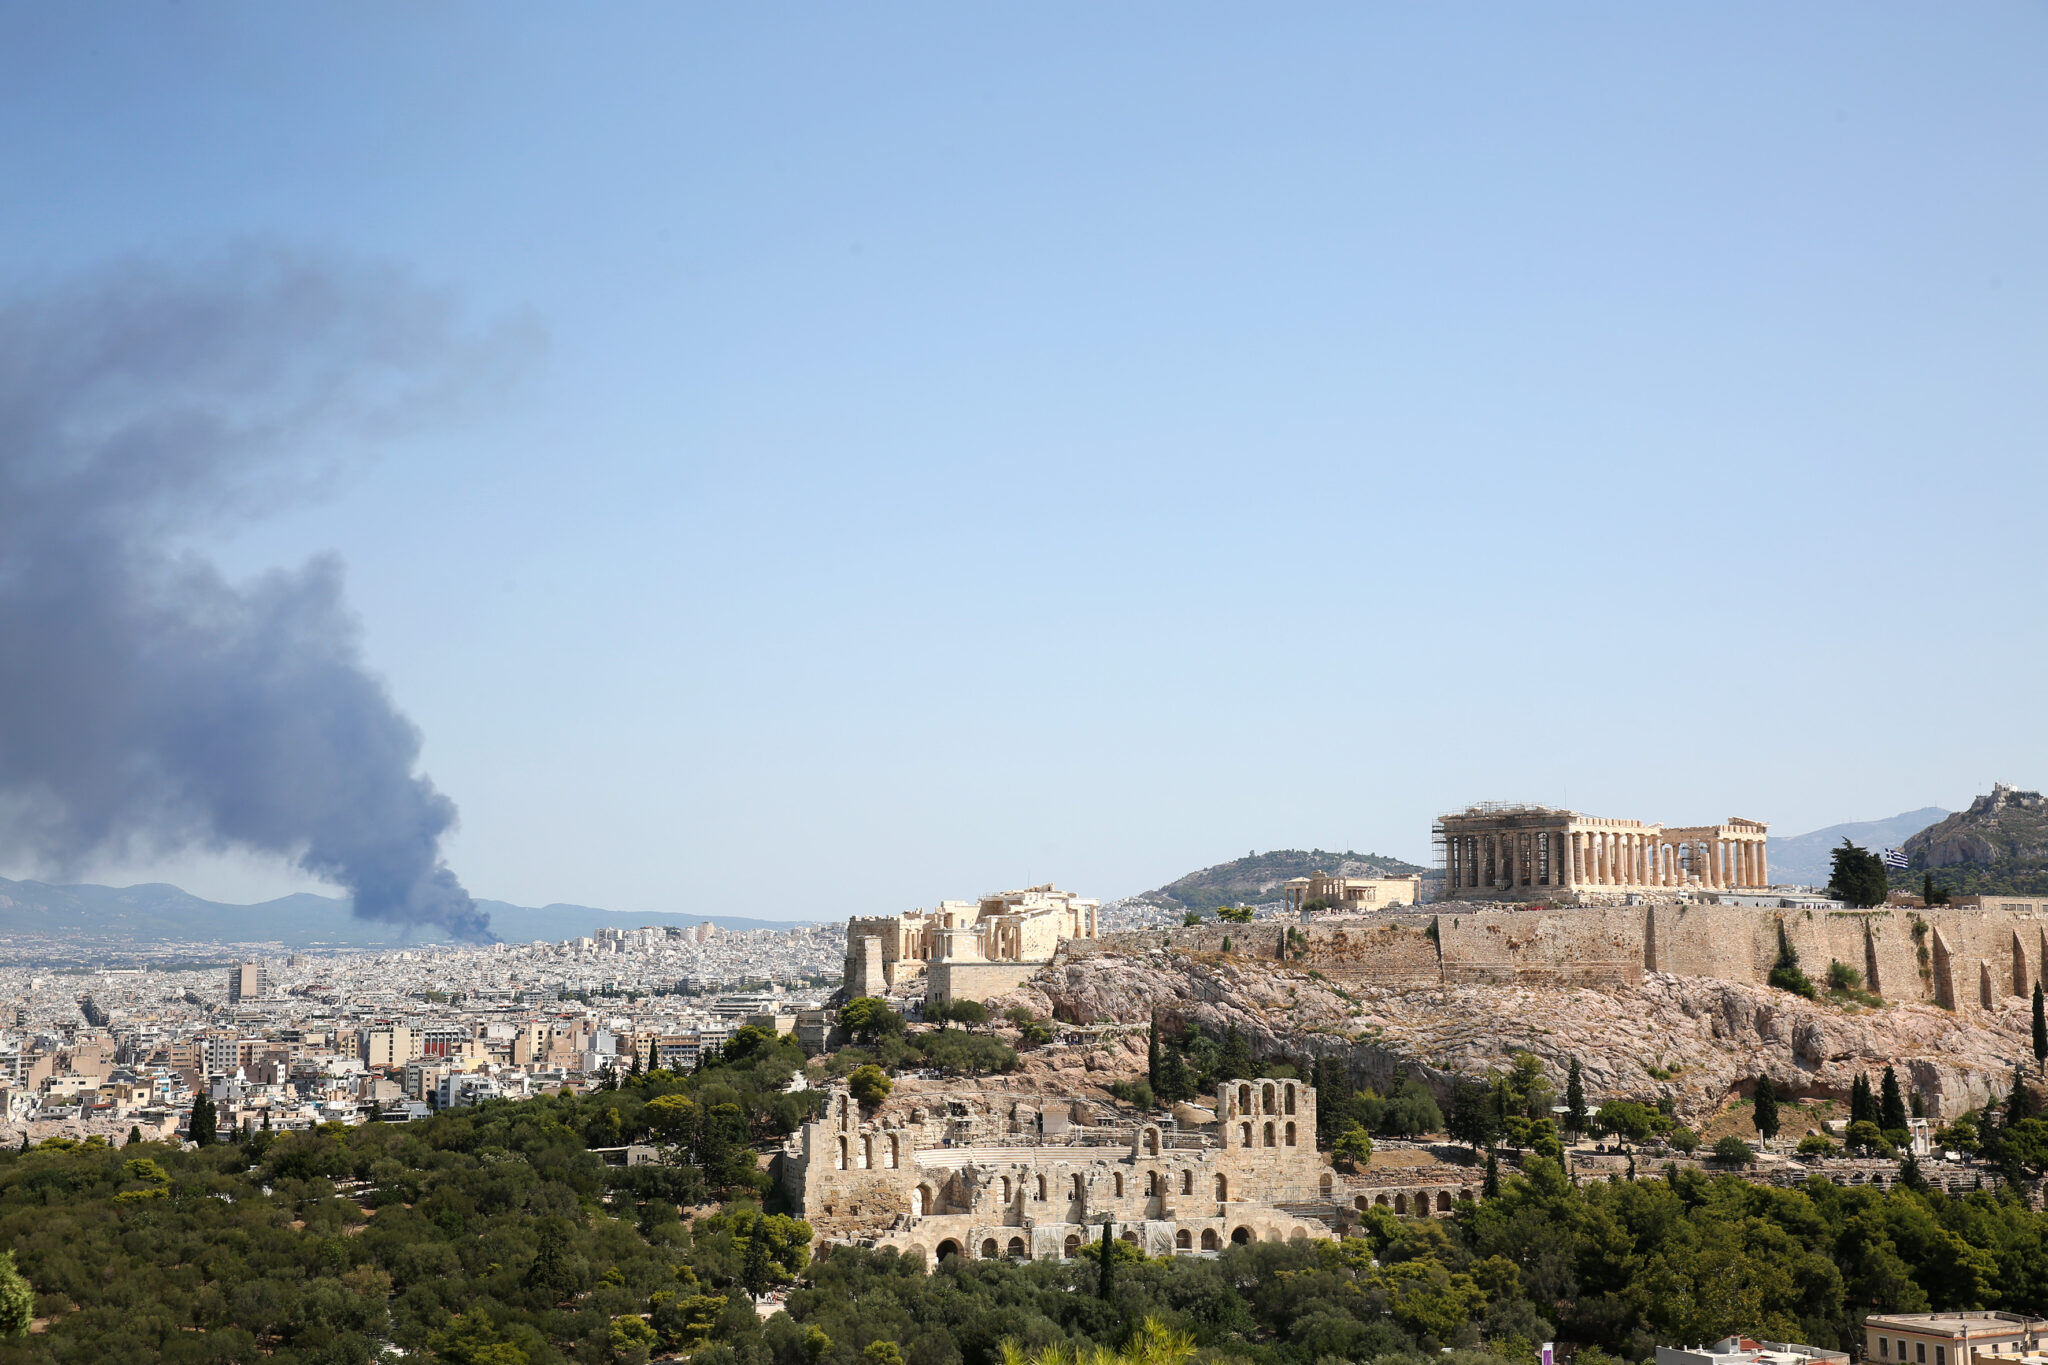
(972, 447)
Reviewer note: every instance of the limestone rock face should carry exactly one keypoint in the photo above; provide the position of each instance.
(2007, 830)
(1705, 1039)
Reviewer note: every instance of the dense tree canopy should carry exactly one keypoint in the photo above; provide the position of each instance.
(497, 1236)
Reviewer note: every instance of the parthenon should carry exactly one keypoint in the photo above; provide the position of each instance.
(1497, 851)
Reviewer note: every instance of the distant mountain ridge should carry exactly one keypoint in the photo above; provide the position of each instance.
(156, 912)
(1808, 859)
(1258, 877)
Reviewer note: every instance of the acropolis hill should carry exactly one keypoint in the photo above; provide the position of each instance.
(1645, 947)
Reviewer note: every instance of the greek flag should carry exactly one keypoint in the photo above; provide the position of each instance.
(1894, 857)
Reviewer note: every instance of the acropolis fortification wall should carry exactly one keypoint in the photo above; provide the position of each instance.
(1959, 957)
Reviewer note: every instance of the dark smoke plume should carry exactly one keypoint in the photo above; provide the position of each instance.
(147, 703)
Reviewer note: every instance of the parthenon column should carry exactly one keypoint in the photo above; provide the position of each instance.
(1763, 866)
(1718, 861)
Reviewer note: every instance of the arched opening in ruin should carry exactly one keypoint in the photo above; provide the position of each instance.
(988, 1250)
(1269, 1135)
(1242, 1237)
(1183, 1240)
(1151, 1142)
(1077, 1188)
(1380, 1201)
(1073, 1245)
(1244, 1135)
(1118, 1178)
(839, 1162)
(1151, 1184)
(920, 1200)
(1210, 1241)
(867, 1153)
(1401, 1205)
(1266, 1098)
(1290, 1135)
(1041, 1187)
(1361, 1203)
(1004, 1186)
(1187, 1182)
(1443, 1201)
(1222, 1188)
(1129, 1236)
(1328, 1182)
(894, 1153)
(1016, 1248)
(1289, 1103)
(1244, 1099)
(843, 1102)
(949, 1247)
(1300, 1234)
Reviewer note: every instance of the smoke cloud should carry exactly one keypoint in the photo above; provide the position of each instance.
(147, 703)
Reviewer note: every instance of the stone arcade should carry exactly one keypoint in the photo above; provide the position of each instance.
(1249, 1172)
(1510, 852)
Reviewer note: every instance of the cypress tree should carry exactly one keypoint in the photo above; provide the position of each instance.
(2040, 1031)
(1235, 1063)
(135, 1134)
(201, 1125)
(1860, 1107)
(1105, 1281)
(1575, 1100)
(1152, 1053)
(2020, 1103)
(1491, 1189)
(754, 1269)
(1766, 1108)
(1892, 1108)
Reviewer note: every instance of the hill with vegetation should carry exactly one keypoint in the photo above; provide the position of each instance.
(1257, 877)
(2000, 844)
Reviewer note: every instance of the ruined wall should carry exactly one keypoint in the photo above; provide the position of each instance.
(1960, 957)
(1600, 946)
(975, 980)
(910, 1180)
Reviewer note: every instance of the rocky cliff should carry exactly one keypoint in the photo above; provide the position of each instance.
(1697, 1040)
(1999, 844)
